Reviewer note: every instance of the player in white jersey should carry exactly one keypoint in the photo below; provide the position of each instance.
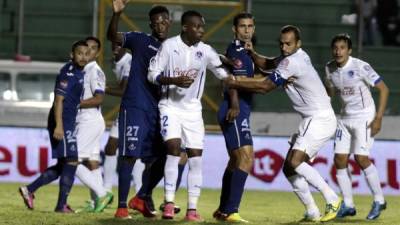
(180, 67)
(309, 98)
(90, 127)
(351, 79)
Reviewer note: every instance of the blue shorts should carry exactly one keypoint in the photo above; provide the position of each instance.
(67, 147)
(138, 131)
(236, 133)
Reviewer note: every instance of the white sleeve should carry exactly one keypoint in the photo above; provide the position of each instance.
(368, 74)
(328, 79)
(215, 65)
(126, 67)
(158, 64)
(286, 68)
(98, 81)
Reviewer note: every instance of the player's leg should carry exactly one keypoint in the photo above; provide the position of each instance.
(362, 145)
(342, 149)
(137, 174)
(67, 176)
(110, 160)
(181, 167)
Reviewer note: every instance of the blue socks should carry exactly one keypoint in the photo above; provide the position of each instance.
(66, 181)
(234, 195)
(226, 180)
(125, 168)
(49, 175)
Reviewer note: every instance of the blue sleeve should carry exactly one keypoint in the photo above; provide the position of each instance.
(132, 40)
(63, 84)
(240, 67)
(276, 78)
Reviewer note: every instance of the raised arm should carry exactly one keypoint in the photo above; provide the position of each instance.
(262, 62)
(112, 31)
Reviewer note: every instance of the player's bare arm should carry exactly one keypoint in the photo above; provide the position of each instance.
(234, 108)
(376, 124)
(112, 31)
(117, 90)
(181, 81)
(261, 86)
(58, 111)
(262, 62)
(92, 102)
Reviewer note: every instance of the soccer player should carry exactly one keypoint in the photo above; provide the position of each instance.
(90, 128)
(318, 125)
(233, 117)
(180, 68)
(138, 117)
(359, 122)
(61, 127)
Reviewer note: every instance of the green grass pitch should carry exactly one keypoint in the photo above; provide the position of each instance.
(259, 207)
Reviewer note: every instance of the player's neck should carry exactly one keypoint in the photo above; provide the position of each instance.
(187, 41)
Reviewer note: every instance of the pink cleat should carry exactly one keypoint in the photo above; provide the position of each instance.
(193, 216)
(169, 211)
(65, 209)
(27, 196)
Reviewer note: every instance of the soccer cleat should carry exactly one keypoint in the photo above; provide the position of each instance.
(103, 202)
(27, 197)
(346, 211)
(310, 218)
(65, 209)
(89, 207)
(192, 216)
(331, 210)
(144, 206)
(218, 215)
(122, 213)
(177, 209)
(235, 218)
(168, 212)
(376, 210)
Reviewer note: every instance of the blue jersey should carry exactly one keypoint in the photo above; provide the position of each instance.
(140, 93)
(243, 66)
(69, 83)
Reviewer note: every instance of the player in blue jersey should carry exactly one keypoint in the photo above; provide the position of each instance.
(233, 117)
(61, 126)
(138, 117)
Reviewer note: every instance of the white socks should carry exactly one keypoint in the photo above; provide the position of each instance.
(195, 180)
(137, 174)
(110, 170)
(88, 178)
(345, 185)
(371, 174)
(314, 178)
(170, 177)
(302, 191)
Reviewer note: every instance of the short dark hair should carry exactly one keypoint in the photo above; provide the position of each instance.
(95, 39)
(188, 14)
(157, 10)
(342, 37)
(242, 15)
(76, 44)
(291, 28)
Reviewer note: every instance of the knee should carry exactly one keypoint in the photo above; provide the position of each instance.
(363, 161)
(111, 147)
(341, 161)
(287, 170)
(245, 162)
(294, 162)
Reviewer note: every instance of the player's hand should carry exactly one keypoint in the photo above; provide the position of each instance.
(183, 81)
(229, 81)
(375, 126)
(58, 133)
(249, 46)
(290, 81)
(119, 5)
(232, 114)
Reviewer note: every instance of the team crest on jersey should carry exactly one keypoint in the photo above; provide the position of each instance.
(285, 63)
(64, 84)
(163, 132)
(73, 148)
(199, 55)
(237, 63)
(132, 147)
(351, 73)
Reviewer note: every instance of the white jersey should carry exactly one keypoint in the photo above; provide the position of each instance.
(352, 82)
(94, 81)
(307, 93)
(123, 67)
(174, 59)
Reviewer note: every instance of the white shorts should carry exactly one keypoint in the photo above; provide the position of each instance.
(89, 135)
(114, 129)
(313, 133)
(188, 126)
(353, 136)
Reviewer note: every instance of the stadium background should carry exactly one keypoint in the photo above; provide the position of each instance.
(50, 26)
